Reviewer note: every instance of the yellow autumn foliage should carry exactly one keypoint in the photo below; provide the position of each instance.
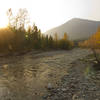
(93, 42)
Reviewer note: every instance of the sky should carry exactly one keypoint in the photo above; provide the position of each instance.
(47, 14)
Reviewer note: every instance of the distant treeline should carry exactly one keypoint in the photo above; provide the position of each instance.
(18, 38)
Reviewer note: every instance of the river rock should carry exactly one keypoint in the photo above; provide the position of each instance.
(49, 86)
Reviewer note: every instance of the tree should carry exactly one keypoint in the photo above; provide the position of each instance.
(19, 20)
(56, 40)
(94, 44)
(65, 43)
(65, 36)
(10, 18)
(51, 42)
(18, 24)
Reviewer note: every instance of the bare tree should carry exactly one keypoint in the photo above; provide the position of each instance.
(18, 21)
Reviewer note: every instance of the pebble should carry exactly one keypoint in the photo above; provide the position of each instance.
(75, 87)
(49, 86)
(64, 89)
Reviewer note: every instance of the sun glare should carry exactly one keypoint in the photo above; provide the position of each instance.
(50, 13)
(3, 21)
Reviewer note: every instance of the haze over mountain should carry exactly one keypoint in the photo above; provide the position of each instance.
(77, 29)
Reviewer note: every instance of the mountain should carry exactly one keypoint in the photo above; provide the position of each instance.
(77, 29)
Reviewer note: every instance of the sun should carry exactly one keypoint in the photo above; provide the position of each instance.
(3, 21)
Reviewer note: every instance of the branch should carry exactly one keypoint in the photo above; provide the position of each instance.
(95, 55)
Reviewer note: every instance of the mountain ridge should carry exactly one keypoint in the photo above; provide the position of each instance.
(76, 28)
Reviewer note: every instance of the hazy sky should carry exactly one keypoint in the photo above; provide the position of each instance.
(50, 13)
